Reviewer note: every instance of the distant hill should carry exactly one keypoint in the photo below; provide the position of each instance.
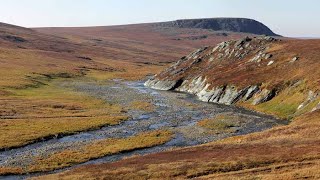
(242, 25)
(59, 50)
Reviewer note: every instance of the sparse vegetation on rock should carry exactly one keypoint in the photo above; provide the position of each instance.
(247, 71)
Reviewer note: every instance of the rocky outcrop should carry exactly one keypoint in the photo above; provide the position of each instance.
(264, 96)
(316, 108)
(241, 25)
(164, 85)
(190, 73)
(222, 95)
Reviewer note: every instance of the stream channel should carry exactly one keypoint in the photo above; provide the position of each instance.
(177, 112)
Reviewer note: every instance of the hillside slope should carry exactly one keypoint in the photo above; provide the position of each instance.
(76, 50)
(26, 54)
(263, 73)
(160, 40)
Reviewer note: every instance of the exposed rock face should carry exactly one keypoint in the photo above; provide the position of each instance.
(264, 96)
(223, 24)
(312, 96)
(191, 73)
(316, 108)
(164, 85)
(294, 59)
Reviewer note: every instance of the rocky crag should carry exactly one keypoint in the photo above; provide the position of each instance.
(248, 71)
(241, 25)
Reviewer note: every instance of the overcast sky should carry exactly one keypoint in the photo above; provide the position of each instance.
(295, 18)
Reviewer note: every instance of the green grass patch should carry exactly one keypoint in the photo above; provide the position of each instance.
(286, 103)
(220, 123)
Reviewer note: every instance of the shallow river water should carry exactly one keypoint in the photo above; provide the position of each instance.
(174, 111)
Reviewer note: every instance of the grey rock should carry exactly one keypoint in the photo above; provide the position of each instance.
(264, 96)
(194, 87)
(229, 96)
(205, 94)
(268, 38)
(294, 59)
(270, 63)
(311, 98)
(161, 85)
(268, 56)
(316, 108)
(217, 93)
(250, 92)
(241, 42)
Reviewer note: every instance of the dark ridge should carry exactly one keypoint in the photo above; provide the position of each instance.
(241, 25)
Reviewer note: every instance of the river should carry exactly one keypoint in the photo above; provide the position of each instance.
(177, 112)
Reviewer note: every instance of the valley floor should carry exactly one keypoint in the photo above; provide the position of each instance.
(177, 120)
(288, 152)
(134, 121)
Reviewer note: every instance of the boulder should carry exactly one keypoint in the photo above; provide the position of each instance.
(316, 108)
(264, 96)
(294, 59)
(311, 98)
(216, 95)
(229, 96)
(164, 85)
(252, 90)
(242, 42)
(270, 63)
(268, 56)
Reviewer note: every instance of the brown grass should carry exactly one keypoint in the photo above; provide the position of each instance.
(93, 150)
(19, 132)
(282, 149)
(33, 114)
(220, 123)
(33, 107)
(143, 106)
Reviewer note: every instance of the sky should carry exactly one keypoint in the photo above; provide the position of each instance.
(292, 18)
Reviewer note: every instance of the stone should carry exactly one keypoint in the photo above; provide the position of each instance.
(216, 95)
(215, 49)
(239, 96)
(294, 59)
(268, 38)
(268, 56)
(161, 85)
(250, 92)
(270, 63)
(205, 94)
(311, 98)
(242, 41)
(316, 108)
(228, 96)
(264, 96)
(256, 57)
(195, 86)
